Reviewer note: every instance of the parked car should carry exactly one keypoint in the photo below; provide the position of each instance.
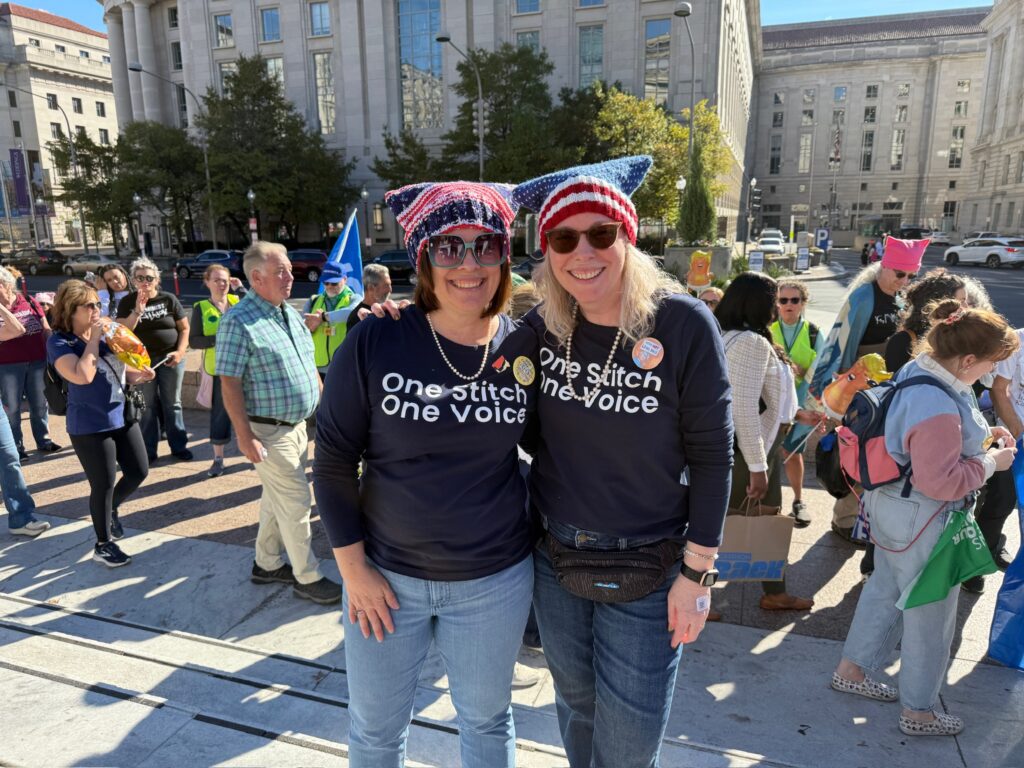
(770, 245)
(398, 265)
(773, 233)
(939, 238)
(978, 235)
(195, 266)
(307, 263)
(80, 263)
(36, 260)
(914, 232)
(993, 252)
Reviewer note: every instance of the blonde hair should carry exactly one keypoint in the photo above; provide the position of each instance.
(524, 298)
(70, 296)
(644, 286)
(794, 285)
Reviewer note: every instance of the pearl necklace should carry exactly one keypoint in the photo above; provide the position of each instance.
(587, 394)
(452, 368)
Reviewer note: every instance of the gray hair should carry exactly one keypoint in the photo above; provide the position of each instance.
(144, 262)
(977, 294)
(7, 278)
(374, 274)
(255, 256)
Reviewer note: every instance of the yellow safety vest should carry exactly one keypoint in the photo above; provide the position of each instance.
(211, 320)
(802, 352)
(328, 336)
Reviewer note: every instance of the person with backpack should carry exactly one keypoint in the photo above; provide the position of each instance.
(802, 341)
(943, 451)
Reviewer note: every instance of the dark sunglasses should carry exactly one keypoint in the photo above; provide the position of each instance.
(449, 251)
(91, 305)
(900, 275)
(711, 302)
(600, 236)
(144, 279)
(787, 300)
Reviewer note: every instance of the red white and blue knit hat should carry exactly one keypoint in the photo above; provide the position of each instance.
(436, 208)
(603, 188)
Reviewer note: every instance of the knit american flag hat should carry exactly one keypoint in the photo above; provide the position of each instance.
(603, 188)
(436, 208)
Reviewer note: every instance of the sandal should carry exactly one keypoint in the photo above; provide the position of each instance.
(867, 687)
(942, 725)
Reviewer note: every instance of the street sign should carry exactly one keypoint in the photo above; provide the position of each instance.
(803, 259)
(756, 261)
(821, 236)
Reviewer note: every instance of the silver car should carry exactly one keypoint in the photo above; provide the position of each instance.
(81, 263)
(770, 245)
(993, 252)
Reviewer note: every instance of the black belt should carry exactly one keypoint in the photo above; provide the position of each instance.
(273, 422)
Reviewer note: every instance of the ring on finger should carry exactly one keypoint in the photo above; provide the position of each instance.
(360, 613)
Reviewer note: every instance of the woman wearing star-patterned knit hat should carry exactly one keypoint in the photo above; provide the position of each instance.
(634, 455)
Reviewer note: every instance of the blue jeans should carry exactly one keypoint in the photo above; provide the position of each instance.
(20, 506)
(613, 665)
(477, 626)
(17, 379)
(220, 422)
(168, 384)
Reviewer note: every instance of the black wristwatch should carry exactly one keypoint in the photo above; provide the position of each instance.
(704, 578)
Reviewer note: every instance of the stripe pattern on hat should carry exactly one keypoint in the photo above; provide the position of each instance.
(587, 194)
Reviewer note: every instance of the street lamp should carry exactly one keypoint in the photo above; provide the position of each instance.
(683, 11)
(135, 66)
(41, 204)
(443, 37)
(680, 188)
(251, 197)
(137, 202)
(750, 212)
(366, 215)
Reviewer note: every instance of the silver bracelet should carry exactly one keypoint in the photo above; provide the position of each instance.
(712, 558)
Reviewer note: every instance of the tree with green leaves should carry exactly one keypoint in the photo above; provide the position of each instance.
(697, 216)
(407, 161)
(93, 187)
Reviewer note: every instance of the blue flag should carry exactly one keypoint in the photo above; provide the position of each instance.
(347, 254)
(1006, 638)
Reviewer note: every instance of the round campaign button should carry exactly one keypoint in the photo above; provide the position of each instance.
(647, 353)
(523, 370)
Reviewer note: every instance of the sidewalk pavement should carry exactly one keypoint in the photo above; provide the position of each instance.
(178, 659)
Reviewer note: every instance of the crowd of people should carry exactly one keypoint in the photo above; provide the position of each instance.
(567, 449)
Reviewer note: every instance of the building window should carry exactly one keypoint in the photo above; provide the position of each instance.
(963, 86)
(775, 154)
(779, 98)
(172, 17)
(76, 105)
(839, 94)
(807, 117)
(900, 115)
(55, 131)
(319, 19)
(777, 119)
(12, 99)
(903, 90)
(838, 117)
(34, 42)
(589, 3)
(896, 152)
(420, 64)
(982, 167)
(960, 109)
(871, 92)
(529, 40)
(17, 128)
(104, 137)
(863, 186)
(223, 31)
(1020, 167)
(869, 114)
(956, 147)
(106, 59)
(51, 100)
(1009, 213)
(83, 54)
(101, 109)
(275, 68)
(527, 6)
(952, 184)
(80, 130)
(591, 55)
(895, 186)
(60, 48)
(270, 25)
(808, 95)
(995, 214)
(867, 146)
(176, 56)
(804, 158)
(182, 106)
(324, 83)
(657, 36)
(1006, 169)
(227, 68)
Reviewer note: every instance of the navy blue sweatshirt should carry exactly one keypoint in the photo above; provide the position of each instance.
(651, 454)
(441, 496)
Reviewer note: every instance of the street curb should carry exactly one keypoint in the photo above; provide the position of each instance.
(824, 272)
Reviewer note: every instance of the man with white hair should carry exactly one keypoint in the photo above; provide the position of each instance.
(270, 386)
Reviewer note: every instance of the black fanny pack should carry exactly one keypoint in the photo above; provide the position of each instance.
(615, 575)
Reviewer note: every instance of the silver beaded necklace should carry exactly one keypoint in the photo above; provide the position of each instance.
(587, 394)
(452, 368)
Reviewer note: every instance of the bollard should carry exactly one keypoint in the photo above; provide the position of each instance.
(177, 289)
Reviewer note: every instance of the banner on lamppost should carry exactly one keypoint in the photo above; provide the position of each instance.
(20, 177)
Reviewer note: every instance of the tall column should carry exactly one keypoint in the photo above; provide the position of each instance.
(147, 57)
(119, 68)
(131, 49)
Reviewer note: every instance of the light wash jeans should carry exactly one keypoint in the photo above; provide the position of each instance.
(477, 626)
(612, 663)
(19, 503)
(17, 379)
(925, 632)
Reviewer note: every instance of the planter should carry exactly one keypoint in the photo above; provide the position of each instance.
(677, 261)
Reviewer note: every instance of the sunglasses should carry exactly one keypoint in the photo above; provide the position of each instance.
(145, 279)
(91, 305)
(787, 300)
(900, 275)
(449, 251)
(711, 302)
(600, 236)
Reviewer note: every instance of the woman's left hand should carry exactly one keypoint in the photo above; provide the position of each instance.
(174, 358)
(685, 621)
(1002, 433)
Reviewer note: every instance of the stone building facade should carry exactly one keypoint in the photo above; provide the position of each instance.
(869, 123)
(356, 68)
(48, 63)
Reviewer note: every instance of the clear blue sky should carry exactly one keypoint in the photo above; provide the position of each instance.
(90, 12)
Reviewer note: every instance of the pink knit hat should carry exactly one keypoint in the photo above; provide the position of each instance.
(904, 255)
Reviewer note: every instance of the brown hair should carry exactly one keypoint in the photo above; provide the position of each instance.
(426, 299)
(795, 285)
(70, 296)
(922, 296)
(215, 268)
(957, 331)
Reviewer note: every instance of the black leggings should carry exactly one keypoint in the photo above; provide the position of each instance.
(100, 453)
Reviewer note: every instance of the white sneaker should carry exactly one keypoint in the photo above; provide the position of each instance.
(524, 677)
(31, 529)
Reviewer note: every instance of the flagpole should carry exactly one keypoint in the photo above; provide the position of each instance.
(836, 148)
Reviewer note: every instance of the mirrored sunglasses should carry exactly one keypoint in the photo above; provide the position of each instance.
(449, 251)
(600, 236)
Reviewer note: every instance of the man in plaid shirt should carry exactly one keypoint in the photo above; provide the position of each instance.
(270, 387)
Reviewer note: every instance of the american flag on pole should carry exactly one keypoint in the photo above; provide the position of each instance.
(836, 155)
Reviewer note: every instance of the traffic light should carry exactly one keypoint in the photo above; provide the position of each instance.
(755, 199)
(476, 121)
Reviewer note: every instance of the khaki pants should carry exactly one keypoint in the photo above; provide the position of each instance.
(285, 503)
(846, 509)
